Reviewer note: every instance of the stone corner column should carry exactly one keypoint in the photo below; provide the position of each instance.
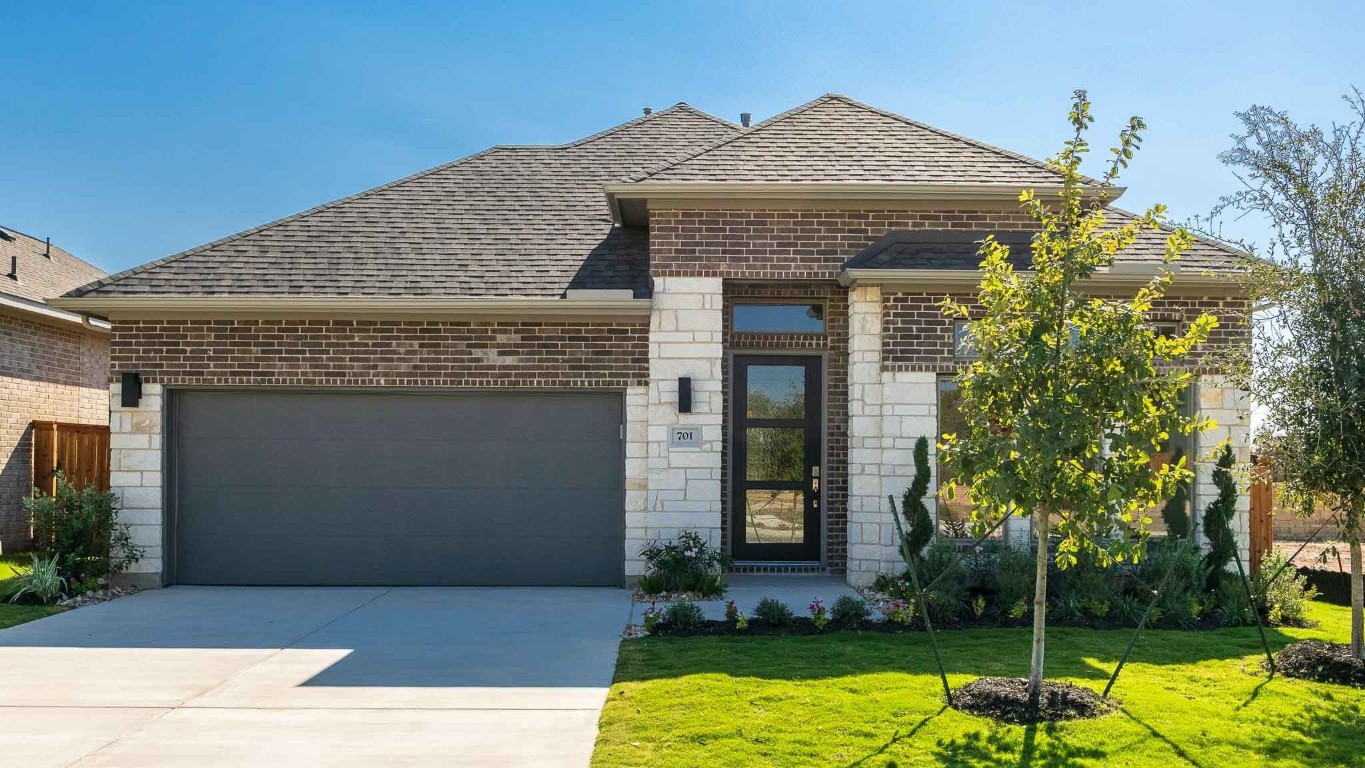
(135, 477)
(682, 485)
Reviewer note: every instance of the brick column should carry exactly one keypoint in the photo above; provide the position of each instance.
(135, 476)
(683, 490)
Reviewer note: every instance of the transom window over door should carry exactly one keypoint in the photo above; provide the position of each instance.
(779, 318)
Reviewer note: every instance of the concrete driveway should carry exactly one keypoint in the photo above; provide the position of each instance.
(210, 676)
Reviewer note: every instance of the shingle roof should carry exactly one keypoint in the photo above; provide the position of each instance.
(957, 249)
(40, 277)
(837, 139)
(509, 221)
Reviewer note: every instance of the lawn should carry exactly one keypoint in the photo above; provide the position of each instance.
(18, 614)
(1189, 698)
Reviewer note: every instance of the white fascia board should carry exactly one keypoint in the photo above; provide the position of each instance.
(50, 312)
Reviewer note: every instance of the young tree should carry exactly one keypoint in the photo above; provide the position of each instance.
(1307, 367)
(1066, 404)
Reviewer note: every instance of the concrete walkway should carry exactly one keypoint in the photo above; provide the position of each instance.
(224, 676)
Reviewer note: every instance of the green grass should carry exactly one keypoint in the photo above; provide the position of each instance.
(1188, 698)
(10, 615)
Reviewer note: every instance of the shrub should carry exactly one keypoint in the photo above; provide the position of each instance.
(683, 615)
(653, 583)
(684, 561)
(1232, 606)
(1284, 600)
(919, 524)
(773, 612)
(848, 612)
(42, 581)
(1183, 597)
(948, 596)
(1218, 522)
(707, 585)
(81, 528)
(1086, 590)
(1015, 572)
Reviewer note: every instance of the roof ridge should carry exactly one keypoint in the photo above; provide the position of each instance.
(42, 241)
(681, 106)
(949, 134)
(108, 279)
(642, 175)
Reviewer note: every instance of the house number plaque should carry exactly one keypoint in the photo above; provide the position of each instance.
(685, 437)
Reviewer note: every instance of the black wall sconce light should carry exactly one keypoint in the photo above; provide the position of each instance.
(684, 394)
(131, 388)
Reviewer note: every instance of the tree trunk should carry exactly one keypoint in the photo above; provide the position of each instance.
(1357, 596)
(1035, 678)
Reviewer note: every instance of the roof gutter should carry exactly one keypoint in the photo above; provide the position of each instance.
(956, 279)
(49, 312)
(891, 192)
(356, 307)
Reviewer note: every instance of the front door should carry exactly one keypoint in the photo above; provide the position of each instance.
(778, 435)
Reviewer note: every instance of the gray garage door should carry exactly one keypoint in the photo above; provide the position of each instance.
(369, 488)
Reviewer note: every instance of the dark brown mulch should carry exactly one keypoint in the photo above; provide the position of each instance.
(799, 626)
(1323, 662)
(1006, 699)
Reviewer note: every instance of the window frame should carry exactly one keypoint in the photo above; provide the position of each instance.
(823, 304)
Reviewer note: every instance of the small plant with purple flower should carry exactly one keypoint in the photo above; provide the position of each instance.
(819, 614)
(652, 616)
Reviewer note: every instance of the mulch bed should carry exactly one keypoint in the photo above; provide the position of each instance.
(1322, 662)
(798, 626)
(1005, 699)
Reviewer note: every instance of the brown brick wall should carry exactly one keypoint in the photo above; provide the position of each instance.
(783, 244)
(398, 353)
(917, 336)
(834, 342)
(47, 373)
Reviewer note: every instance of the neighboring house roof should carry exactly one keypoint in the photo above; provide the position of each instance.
(837, 139)
(958, 249)
(509, 221)
(40, 272)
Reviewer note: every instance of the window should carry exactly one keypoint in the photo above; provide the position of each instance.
(962, 341)
(954, 515)
(1167, 329)
(780, 318)
(1184, 444)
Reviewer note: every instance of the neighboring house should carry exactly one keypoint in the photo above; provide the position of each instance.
(54, 364)
(521, 367)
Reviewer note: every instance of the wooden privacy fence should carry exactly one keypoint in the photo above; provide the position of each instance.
(1262, 512)
(79, 451)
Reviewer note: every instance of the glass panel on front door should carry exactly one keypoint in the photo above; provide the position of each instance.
(778, 441)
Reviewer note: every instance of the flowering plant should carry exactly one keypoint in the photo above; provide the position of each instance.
(819, 615)
(687, 564)
(731, 611)
(652, 616)
(741, 621)
(900, 612)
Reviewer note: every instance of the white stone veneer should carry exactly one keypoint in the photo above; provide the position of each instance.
(682, 491)
(135, 476)
(1231, 409)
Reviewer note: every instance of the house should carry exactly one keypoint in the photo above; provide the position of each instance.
(54, 364)
(521, 367)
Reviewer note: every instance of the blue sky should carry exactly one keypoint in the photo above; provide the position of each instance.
(131, 131)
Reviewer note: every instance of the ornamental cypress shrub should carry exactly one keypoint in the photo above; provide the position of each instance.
(919, 525)
(1218, 521)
